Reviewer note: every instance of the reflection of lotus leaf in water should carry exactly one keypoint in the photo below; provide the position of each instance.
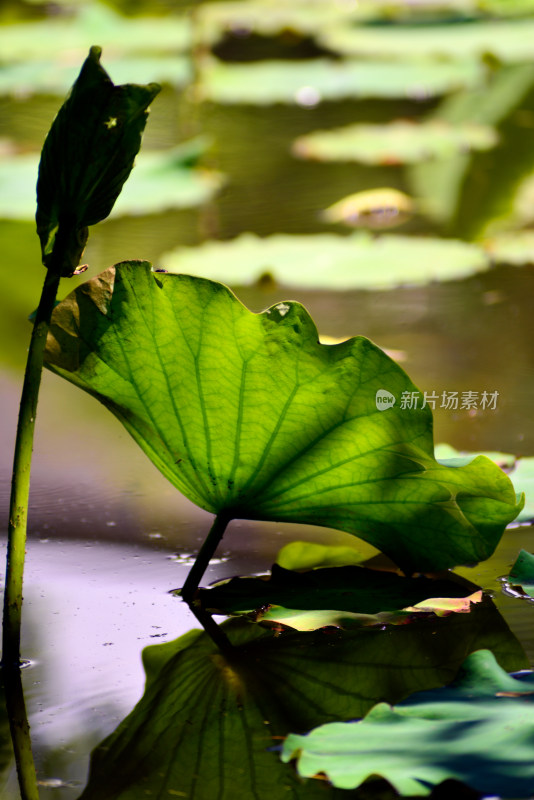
(478, 730)
(375, 208)
(206, 726)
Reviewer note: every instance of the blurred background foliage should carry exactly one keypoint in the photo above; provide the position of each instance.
(411, 120)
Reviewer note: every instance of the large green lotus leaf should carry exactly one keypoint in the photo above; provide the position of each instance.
(47, 77)
(330, 261)
(308, 82)
(250, 417)
(399, 142)
(92, 23)
(351, 588)
(159, 181)
(507, 40)
(479, 730)
(207, 723)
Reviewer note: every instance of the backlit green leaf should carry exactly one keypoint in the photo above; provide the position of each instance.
(479, 730)
(399, 142)
(329, 261)
(207, 723)
(308, 82)
(250, 417)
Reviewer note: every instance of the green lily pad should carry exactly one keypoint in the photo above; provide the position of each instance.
(515, 248)
(446, 454)
(93, 23)
(308, 82)
(522, 573)
(307, 555)
(207, 722)
(480, 730)
(400, 142)
(508, 40)
(312, 620)
(265, 18)
(159, 181)
(47, 77)
(329, 261)
(352, 588)
(250, 417)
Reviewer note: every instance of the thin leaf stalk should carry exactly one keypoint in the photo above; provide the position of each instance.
(16, 547)
(206, 553)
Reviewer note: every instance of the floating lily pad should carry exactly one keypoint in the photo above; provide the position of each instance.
(308, 82)
(266, 18)
(307, 555)
(47, 77)
(479, 730)
(222, 714)
(328, 261)
(400, 142)
(446, 454)
(350, 588)
(93, 23)
(516, 248)
(160, 180)
(250, 417)
(508, 40)
(312, 620)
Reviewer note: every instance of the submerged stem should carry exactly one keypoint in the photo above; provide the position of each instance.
(196, 572)
(16, 546)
